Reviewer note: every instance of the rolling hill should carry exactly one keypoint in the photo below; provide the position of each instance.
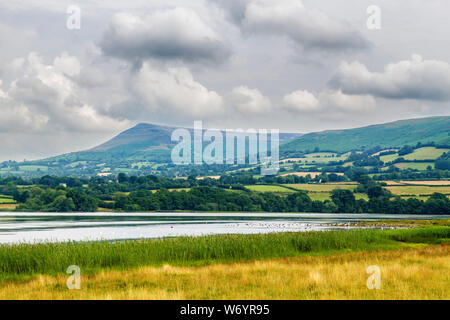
(146, 148)
(394, 134)
(142, 148)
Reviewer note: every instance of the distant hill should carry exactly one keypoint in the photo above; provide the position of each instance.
(149, 142)
(394, 134)
(139, 138)
(144, 146)
(148, 137)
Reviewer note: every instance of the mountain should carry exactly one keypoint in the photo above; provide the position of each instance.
(141, 137)
(144, 148)
(394, 134)
(146, 137)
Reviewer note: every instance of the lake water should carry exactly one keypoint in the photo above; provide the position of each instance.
(59, 227)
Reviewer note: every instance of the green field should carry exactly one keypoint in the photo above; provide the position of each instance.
(322, 187)
(417, 190)
(427, 153)
(7, 201)
(389, 158)
(308, 159)
(266, 188)
(423, 198)
(322, 196)
(415, 165)
(33, 168)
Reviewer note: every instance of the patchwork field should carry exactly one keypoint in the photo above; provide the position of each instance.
(321, 192)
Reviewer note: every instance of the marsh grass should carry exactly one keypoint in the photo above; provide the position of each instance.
(420, 273)
(20, 262)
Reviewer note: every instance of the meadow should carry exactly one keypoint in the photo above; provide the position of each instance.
(412, 274)
(323, 187)
(418, 190)
(270, 188)
(415, 165)
(426, 153)
(317, 265)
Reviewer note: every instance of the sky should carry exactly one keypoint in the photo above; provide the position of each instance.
(75, 73)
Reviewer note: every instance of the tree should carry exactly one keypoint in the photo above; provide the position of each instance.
(299, 201)
(61, 204)
(122, 177)
(344, 200)
(82, 201)
(376, 191)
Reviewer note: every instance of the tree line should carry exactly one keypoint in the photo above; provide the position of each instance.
(134, 194)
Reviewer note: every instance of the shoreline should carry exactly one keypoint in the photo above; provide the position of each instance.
(270, 266)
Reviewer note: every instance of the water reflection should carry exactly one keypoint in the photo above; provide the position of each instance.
(58, 227)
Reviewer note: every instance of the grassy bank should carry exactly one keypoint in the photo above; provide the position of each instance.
(405, 274)
(19, 262)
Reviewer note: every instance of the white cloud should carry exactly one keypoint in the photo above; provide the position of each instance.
(416, 79)
(335, 100)
(327, 103)
(249, 101)
(67, 64)
(44, 99)
(173, 93)
(301, 100)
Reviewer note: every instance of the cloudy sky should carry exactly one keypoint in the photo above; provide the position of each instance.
(296, 65)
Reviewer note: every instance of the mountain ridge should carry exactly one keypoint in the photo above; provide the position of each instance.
(386, 135)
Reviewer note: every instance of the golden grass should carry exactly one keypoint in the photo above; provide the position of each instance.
(418, 190)
(421, 273)
(429, 183)
(11, 206)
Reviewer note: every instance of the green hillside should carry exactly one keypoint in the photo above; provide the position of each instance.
(395, 134)
(145, 148)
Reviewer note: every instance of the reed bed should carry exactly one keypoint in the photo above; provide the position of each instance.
(18, 262)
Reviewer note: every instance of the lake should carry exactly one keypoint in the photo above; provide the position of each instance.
(60, 227)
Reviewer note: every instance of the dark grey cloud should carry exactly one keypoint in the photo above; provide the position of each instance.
(172, 34)
(308, 28)
(234, 9)
(416, 79)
